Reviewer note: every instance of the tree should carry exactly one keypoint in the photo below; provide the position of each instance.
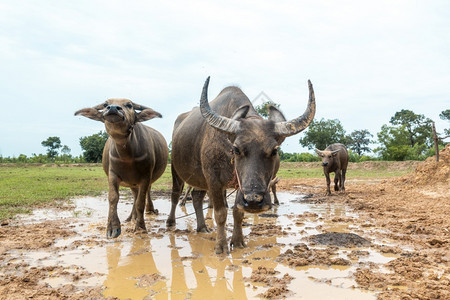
(53, 143)
(445, 115)
(263, 109)
(93, 146)
(409, 138)
(359, 141)
(323, 133)
(417, 127)
(65, 150)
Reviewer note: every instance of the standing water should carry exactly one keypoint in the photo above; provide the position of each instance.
(280, 259)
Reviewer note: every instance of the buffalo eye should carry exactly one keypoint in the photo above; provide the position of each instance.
(129, 105)
(105, 104)
(236, 150)
(329, 156)
(274, 152)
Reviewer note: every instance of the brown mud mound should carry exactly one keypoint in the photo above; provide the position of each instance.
(431, 172)
(31, 236)
(340, 239)
(278, 286)
(302, 255)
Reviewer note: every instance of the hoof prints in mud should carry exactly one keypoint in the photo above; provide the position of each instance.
(339, 239)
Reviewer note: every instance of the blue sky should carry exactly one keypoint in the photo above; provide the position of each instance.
(366, 60)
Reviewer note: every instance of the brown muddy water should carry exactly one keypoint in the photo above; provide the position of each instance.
(181, 264)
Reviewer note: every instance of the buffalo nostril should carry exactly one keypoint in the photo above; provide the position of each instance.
(119, 108)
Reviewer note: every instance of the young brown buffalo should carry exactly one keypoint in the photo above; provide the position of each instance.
(134, 156)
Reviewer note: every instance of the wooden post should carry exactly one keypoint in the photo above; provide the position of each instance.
(436, 146)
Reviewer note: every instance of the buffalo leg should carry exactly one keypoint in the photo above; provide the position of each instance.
(177, 188)
(140, 206)
(343, 179)
(149, 208)
(237, 239)
(220, 216)
(113, 228)
(133, 210)
(275, 198)
(327, 175)
(186, 195)
(197, 200)
(337, 177)
(210, 202)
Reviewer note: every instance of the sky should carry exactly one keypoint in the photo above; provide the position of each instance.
(366, 60)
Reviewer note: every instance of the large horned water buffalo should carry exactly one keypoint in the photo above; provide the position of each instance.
(228, 143)
(134, 156)
(334, 159)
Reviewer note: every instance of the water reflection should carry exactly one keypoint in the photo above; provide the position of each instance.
(127, 269)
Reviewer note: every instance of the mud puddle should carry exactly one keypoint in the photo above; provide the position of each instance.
(281, 259)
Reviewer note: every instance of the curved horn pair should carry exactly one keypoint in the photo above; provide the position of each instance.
(285, 129)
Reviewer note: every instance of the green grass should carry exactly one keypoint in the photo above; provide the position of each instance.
(23, 187)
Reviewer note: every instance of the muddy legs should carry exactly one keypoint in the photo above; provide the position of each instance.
(177, 188)
(327, 175)
(113, 227)
(197, 200)
(237, 239)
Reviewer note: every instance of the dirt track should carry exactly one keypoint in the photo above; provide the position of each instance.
(413, 211)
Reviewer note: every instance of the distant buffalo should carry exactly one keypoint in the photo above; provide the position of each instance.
(134, 156)
(225, 145)
(334, 159)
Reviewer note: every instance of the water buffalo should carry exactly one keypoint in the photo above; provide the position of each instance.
(228, 144)
(134, 156)
(334, 159)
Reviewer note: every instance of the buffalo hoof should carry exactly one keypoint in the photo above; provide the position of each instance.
(113, 233)
(203, 229)
(152, 212)
(237, 243)
(170, 223)
(140, 226)
(138, 230)
(222, 248)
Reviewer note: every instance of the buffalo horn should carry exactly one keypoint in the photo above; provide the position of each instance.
(299, 124)
(213, 119)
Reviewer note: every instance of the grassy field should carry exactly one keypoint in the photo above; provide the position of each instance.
(23, 187)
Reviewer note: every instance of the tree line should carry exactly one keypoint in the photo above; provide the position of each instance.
(408, 136)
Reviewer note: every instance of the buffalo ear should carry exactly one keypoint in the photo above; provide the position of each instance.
(335, 152)
(275, 114)
(91, 113)
(241, 112)
(147, 114)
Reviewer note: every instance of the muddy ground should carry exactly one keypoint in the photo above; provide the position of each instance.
(407, 218)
